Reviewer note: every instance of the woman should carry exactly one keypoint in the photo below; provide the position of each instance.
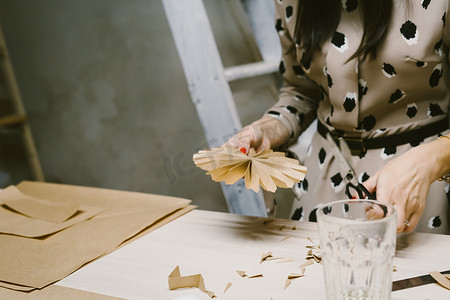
(376, 73)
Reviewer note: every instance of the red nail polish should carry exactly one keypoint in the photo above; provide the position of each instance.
(243, 150)
(353, 197)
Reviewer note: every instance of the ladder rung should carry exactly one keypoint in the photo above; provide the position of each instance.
(12, 120)
(251, 70)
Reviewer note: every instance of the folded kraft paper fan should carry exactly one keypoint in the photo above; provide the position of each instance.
(267, 168)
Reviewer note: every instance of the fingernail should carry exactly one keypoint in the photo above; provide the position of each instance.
(243, 150)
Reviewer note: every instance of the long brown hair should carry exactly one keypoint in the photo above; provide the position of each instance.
(317, 21)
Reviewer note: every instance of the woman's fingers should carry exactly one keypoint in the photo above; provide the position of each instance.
(247, 137)
(387, 193)
(262, 134)
(411, 222)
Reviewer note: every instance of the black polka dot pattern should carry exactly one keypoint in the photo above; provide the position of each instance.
(298, 214)
(298, 70)
(434, 222)
(298, 97)
(368, 123)
(322, 155)
(327, 209)
(438, 46)
(329, 79)
(312, 216)
(350, 5)
(346, 208)
(409, 32)
(388, 152)
(411, 110)
(279, 26)
(305, 185)
(339, 41)
(362, 89)
(388, 70)
(273, 113)
(435, 76)
(289, 11)
(425, 3)
(364, 177)
(434, 110)
(291, 109)
(421, 64)
(397, 96)
(350, 102)
(337, 182)
(415, 143)
(306, 63)
(282, 67)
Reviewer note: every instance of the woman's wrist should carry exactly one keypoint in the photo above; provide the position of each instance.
(274, 129)
(437, 155)
(444, 141)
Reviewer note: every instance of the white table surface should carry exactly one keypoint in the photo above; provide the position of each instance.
(216, 245)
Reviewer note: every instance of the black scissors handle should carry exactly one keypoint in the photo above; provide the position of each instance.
(360, 189)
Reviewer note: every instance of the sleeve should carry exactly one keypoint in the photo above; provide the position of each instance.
(299, 96)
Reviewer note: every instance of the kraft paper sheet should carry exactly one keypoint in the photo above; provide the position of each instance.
(26, 216)
(267, 168)
(37, 208)
(32, 263)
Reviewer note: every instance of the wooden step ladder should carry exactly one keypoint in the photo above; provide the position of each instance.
(15, 116)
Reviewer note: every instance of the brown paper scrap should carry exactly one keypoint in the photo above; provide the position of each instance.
(284, 260)
(268, 256)
(297, 275)
(265, 256)
(287, 283)
(255, 275)
(285, 238)
(307, 263)
(177, 281)
(36, 208)
(227, 287)
(293, 276)
(441, 279)
(267, 168)
(241, 273)
(274, 258)
(313, 252)
(244, 274)
(309, 239)
(317, 258)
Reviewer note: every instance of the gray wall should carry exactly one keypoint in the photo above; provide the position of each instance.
(107, 98)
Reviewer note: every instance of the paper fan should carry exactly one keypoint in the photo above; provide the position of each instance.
(267, 168)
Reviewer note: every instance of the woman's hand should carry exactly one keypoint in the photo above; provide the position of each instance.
(404, 182)
(265, 133)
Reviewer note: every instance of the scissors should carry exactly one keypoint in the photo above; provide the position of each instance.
(343, 153)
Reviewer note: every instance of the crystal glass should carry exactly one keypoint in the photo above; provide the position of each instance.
(357, 244)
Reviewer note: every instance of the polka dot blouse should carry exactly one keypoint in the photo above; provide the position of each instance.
(404, 88)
